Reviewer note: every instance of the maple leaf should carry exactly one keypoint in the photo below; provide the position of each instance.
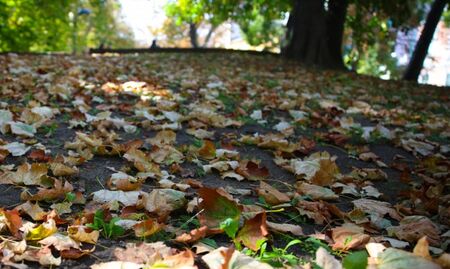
(253, 233)
(216, 207)
(33, 210)
(58, 191)
(27, 174)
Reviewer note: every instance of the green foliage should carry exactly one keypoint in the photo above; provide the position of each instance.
(108, 229)
(356, 260)
(38, 25)
(277, 257)
(230, 226)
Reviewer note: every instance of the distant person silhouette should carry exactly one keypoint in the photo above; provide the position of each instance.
(154, 45)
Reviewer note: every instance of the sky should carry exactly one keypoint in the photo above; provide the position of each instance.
(142, 14)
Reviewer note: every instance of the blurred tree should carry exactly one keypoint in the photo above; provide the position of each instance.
(357, 34)
(34, 25)
(195, 12)
(40, 25)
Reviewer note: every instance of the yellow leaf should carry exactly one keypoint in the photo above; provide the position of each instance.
(42, 231)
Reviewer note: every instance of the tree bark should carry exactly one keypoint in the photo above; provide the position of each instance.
(337, 13)
(315, 35)
(420, 51)
(193, 35)
(208, 36)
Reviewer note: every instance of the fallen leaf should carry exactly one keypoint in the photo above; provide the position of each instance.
(59, 169)
(126, 198)
(143, 253)
(26, 174)
(16, 148)
(393, 258)
(285, 228)
(422, 249)
(325, 260)
(216, 207)
(271, 195)
(193, 236)
(33, 210)
(20, 128)
(147, 228)
(60, 242)
(208, 150)
(42, 231)
(412, 228)
(378, 208)
(163, 201)
(316, 192)
(79, 234)
(254, 232)
(349, 236)
(252, 171)
(13, 221)
(228, 258)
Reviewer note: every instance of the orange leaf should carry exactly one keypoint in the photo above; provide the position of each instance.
(193, 235)
(147, 228)
(254, 232)
(13, 221)
(208, 150)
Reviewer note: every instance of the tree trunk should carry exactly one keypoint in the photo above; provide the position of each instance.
(337, 12)
(315, 35)
(208, 36)
(420, 52)
(193, 35)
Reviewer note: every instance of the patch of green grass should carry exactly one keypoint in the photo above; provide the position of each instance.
(50, 129)
(277, 257)
(272, 83)
(27, 98)
(228, 102)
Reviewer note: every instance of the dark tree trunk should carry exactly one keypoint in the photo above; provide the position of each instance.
(420, 52)
(193, 35)
(208, 36)
(315, 35)
(337, 13)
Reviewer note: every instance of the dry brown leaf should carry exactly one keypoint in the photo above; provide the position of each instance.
(193, 235)
(349, 236)
(271, 195)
